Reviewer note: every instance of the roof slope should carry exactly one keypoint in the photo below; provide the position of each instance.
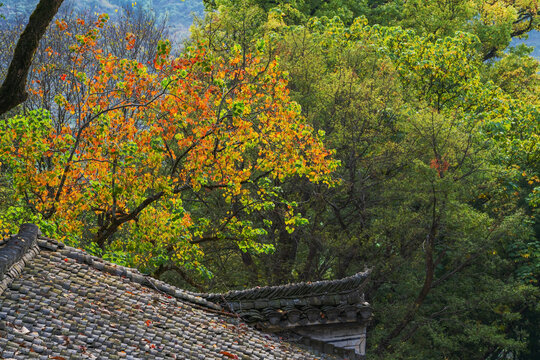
(65, 304)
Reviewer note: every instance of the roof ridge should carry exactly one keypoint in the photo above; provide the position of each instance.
(49, 244)
(130, 273)
(294, 290)
(16, 252)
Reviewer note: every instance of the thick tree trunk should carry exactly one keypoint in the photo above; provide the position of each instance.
(285, 255)
(314, 250)
(13, 90)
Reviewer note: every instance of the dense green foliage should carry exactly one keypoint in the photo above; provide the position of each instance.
(439, 175)
(495, 22)
(438, 191)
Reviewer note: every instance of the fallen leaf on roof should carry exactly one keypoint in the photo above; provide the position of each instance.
(228, 354)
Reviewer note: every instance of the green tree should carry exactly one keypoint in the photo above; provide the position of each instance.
(416, 127)
(494, 22)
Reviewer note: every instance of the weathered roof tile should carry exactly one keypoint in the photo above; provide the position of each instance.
(61, 303)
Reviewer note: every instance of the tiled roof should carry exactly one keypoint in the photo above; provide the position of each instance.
(302, 304)
(57, 302)
(349, 286)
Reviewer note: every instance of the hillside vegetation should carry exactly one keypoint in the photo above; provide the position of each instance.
(178, 13)
(299, 140)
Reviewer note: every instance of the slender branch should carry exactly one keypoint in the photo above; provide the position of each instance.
(163, 268)
(67, 168)
(107, 230)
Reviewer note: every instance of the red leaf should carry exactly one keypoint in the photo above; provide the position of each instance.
(228, 354)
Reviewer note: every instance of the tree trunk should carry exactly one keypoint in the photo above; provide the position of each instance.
(13, 90)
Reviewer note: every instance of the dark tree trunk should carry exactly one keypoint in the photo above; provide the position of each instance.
(13, 90)
(314, 250)
(253, 272)
(285, 256)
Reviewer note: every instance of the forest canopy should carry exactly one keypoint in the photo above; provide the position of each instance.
(298, 141)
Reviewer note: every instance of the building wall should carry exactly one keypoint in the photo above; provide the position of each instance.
(348, 336)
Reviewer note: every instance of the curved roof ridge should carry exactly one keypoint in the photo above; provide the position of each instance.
(135, 276)
(18, 250)
(15, 252)
(294, 290)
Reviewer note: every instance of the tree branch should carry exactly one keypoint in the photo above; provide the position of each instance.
(164, 268)
(13, 90)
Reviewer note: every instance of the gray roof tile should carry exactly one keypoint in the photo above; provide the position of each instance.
(61, 303)
(285, 307)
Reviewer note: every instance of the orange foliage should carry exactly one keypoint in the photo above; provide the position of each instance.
(140, 135)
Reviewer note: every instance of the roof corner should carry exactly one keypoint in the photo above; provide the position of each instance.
(15, 252)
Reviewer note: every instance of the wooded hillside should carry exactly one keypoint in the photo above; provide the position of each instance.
(294, 141)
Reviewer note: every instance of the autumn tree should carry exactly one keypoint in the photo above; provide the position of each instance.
(140, 141)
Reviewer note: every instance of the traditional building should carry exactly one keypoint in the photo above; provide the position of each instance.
(333, 313)
(58, 302)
